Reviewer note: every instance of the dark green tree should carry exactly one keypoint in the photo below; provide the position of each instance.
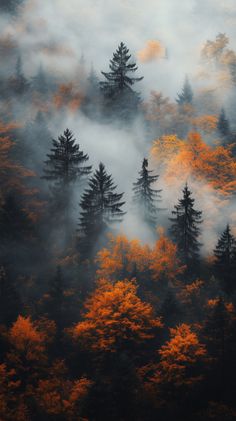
(223, 127)
(186, 96)
(145, 197)
(65, 162)
(225, 254)
(39, 81)
(18, 83)
(185, 229)
(9, 299)
(120, 99)
(100, 206)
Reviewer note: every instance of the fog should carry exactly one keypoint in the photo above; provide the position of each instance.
(164, 37)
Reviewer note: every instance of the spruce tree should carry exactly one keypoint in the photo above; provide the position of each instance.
(65, 162)
(19, 83)
(186, 96)
(39, 81)
(9, 299)
(145, 197)
(120, 98)
(225, 254)
(185, 229)
(100, 206)
(223, 127)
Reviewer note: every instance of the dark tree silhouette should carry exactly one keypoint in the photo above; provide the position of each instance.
(100, 206)
(145, 197)
(9, 299)
(185, 227)
(119, 96)
(225, 254)
(223, 127)
(10, 6)
(18, 83)
(65, 162)
(186, 96)
(39, 81)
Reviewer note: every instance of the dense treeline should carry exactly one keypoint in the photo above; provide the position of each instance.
(95, 325)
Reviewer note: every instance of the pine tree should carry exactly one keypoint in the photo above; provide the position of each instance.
(65, 162)
(185, 228)
(186, 96)
(19, 83)
(9, 299)
(223, 127)
(146, 198)
(34, 140)
(119, 96)
(225, 254)
(100, 206)
(39, 82)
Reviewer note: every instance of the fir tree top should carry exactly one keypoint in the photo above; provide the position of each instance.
(65, 162)
(185, 228)
(186, 96)
(118, 78)
(144, 195)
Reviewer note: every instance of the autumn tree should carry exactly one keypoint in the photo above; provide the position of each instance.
(60, 397)
(123, 258)
(225, 255)
(180, 356)
(185, 228)
(120, 99)
(115, 319)
(100, 206)
(165, 265)
(186, 96)
(145, 197)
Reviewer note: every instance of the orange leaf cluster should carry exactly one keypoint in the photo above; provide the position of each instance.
(115, 315)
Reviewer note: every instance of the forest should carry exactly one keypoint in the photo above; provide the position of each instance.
(117, 213)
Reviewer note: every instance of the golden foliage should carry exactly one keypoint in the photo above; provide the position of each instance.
(58, 396)
(194, 158)
(179, 356)
(115, 315)
(164, 262)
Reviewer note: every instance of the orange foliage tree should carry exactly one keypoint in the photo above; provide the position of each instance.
(180, 361)
(194, 158)
(165, 266)
(122, 258)
(58, 396)
(115, 318)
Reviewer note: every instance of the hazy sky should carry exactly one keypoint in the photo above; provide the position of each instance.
(95, 27)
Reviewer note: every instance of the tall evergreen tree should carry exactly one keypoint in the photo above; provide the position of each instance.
(119, 96)
(65, 162)
(145, 197)
(185, 228)
(223, 127)
(186, 96)
(100, 206)
(18, 83)
(225, 254)
(9, 299)
(39, 81)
